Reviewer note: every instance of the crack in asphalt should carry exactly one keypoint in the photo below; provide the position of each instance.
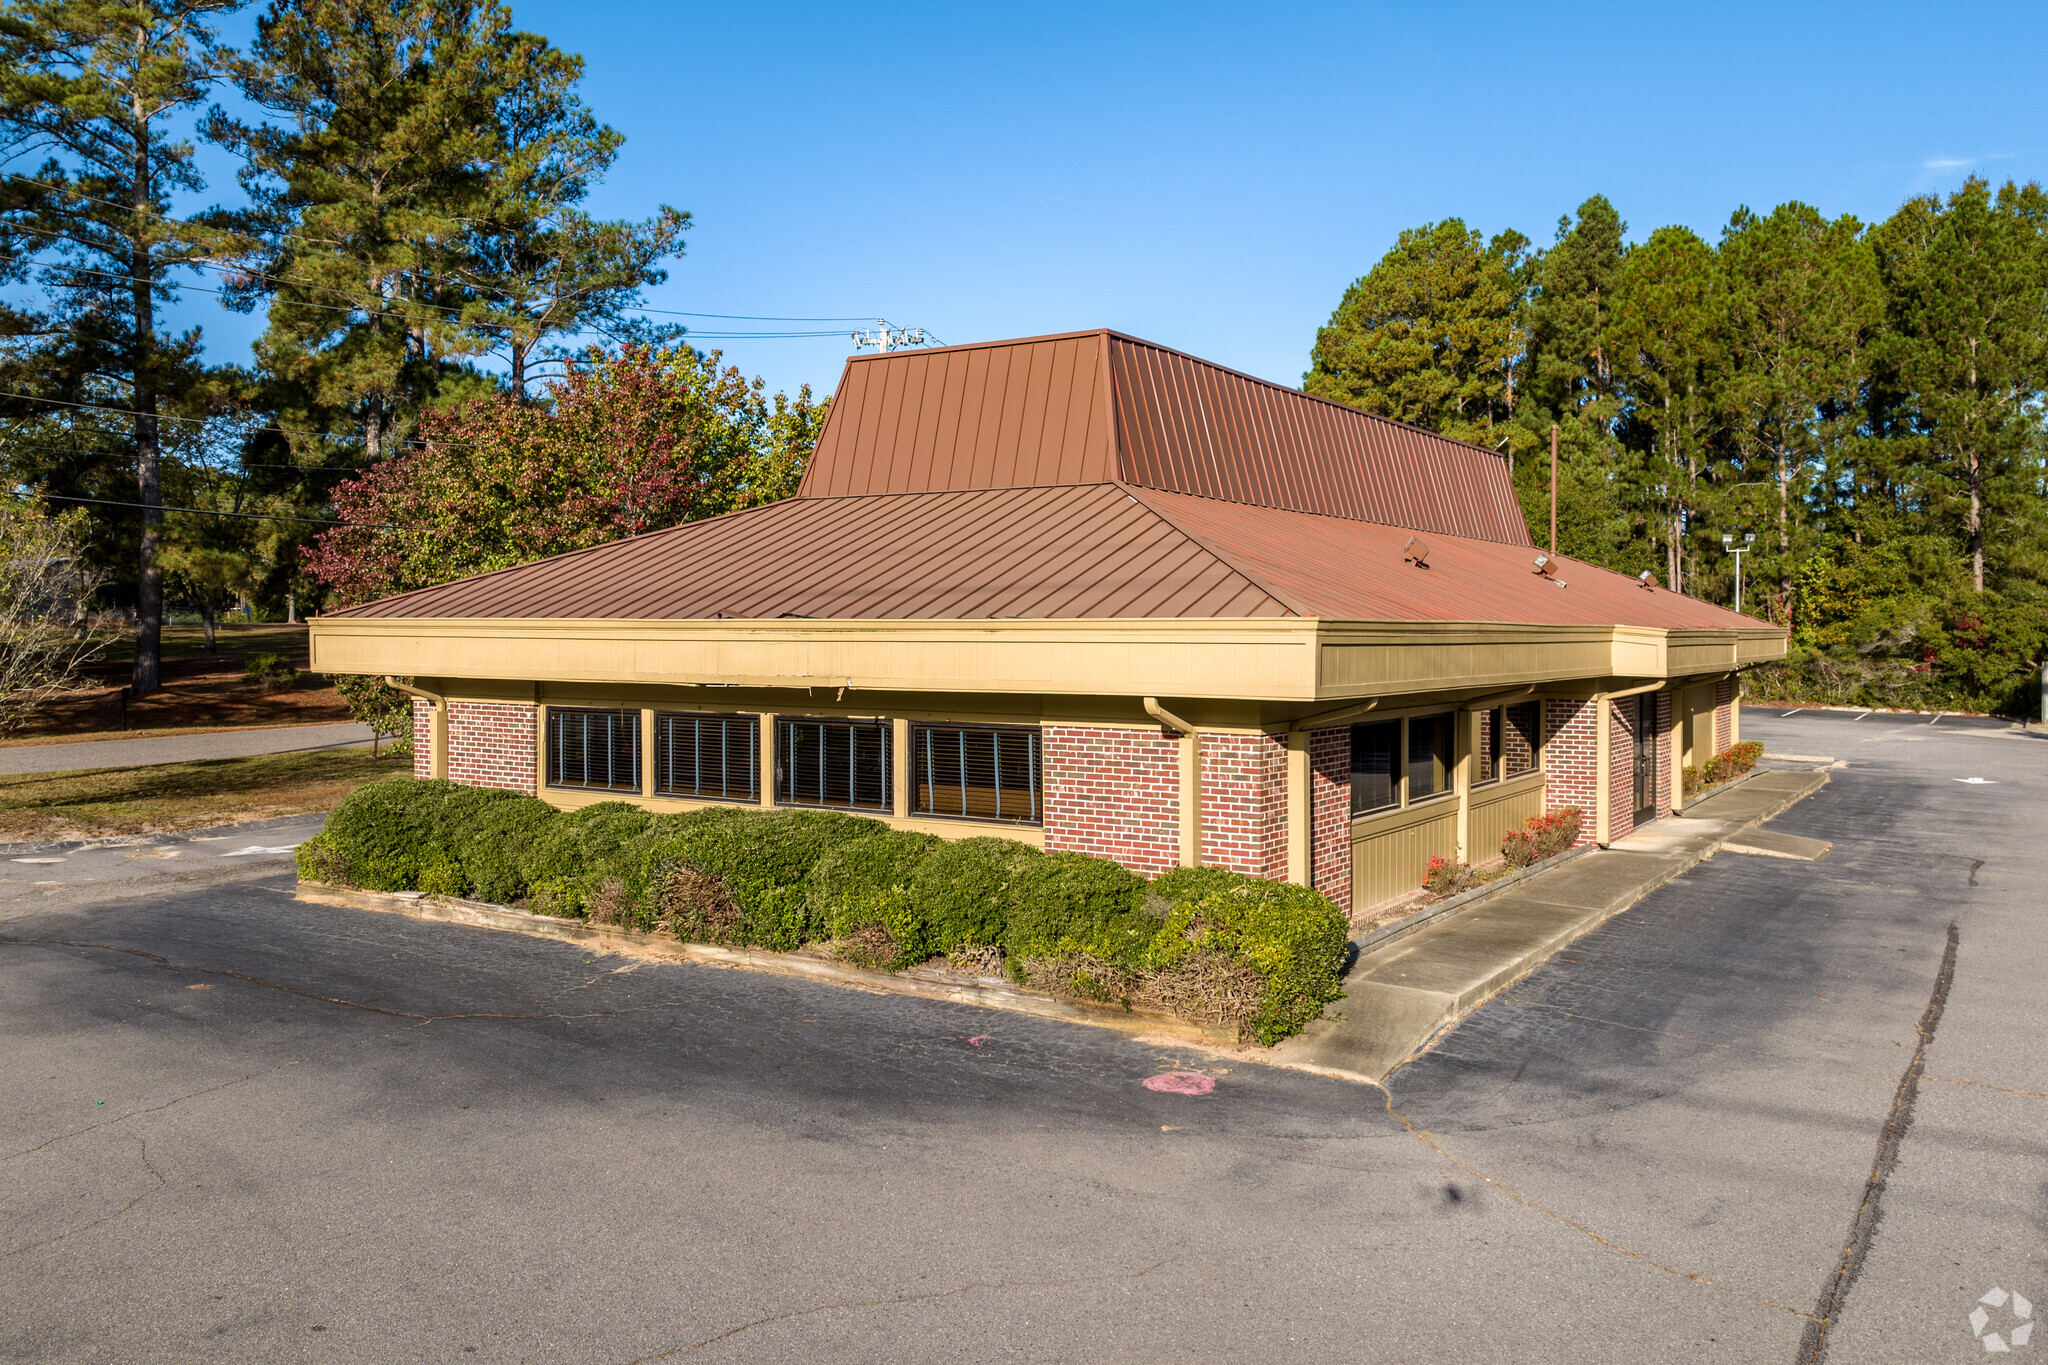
(1428, 1140)
(895, 1300)
(1813, 1344)
(103, 1220)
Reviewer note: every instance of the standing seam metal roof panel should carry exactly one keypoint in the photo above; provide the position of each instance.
(1095, 406)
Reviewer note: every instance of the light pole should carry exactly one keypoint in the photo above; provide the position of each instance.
(1728, 544)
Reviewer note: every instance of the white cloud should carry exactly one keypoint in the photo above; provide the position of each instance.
(1947, 163)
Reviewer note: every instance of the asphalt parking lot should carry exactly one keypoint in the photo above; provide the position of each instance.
(246, 1128)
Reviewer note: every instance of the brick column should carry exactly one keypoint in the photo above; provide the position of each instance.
(422, 737)
(1244, 804)
(1664, 753)
(1724, 714)
(1569, 745)
(1329, 760)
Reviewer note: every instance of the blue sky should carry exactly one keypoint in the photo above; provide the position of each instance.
(1211, 177)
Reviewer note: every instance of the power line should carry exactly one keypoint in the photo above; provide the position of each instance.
(210, 512)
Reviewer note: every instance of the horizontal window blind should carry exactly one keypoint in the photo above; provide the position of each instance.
(597, 750)
(835, 763)
(718, 757)
(1375, 766)
(976, 773)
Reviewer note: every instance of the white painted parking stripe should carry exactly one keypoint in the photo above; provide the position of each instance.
(259, 848)
(1864, 714)
(1790, 714)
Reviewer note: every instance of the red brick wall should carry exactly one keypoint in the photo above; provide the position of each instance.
(1244, 804)
(1329, 781)
(1569, 754)
(1113, 793)
(422, 737)
(1621, 770)
(490, 744)
(1664, 753)
(1724, 714)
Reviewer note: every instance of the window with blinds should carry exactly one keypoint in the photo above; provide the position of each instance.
(594, 750)
(715, 757)
(835, 763)
(1375, 766)
(1430, 756)
(976, 773)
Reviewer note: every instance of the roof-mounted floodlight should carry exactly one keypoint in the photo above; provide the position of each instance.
(1544, 565)
(1647, 579)
(1416, 552)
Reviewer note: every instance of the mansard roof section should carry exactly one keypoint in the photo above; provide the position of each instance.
(1090, 407)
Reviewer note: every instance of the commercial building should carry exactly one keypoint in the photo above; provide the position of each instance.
(1093, 594)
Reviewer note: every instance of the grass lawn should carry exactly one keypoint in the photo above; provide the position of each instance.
(202, 691)
(104, 802)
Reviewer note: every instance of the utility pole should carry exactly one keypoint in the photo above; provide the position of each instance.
(1553, 488)
(887, 338)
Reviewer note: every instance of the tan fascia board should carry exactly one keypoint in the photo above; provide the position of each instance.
(1255, 659)
(1277, 659)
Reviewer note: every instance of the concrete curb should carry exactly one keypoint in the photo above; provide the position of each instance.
(987, 992)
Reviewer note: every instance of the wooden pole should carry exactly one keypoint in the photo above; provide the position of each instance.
(1553, 488)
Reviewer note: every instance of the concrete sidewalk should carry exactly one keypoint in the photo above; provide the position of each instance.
(135, 753)
(1400, 997)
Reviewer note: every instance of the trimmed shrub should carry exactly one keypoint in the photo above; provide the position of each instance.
(962, 888)
(382, 833)
(758, 863)
(575, 851)
(1291, 936)
(866, 882)
(1063, 904)
(500, 833)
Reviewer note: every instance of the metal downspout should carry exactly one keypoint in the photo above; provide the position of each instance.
(437, 728)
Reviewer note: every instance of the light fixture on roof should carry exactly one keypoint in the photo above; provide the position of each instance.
(1647, 579)
(1544, 565)
(1416, 552)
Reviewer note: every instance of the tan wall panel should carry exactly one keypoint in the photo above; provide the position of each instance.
(1499, 808)
(1420, 665)
(1390, 853)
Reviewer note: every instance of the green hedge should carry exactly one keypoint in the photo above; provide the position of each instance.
(1208, 943)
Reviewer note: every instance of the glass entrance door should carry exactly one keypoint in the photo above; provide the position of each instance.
(1646, 758)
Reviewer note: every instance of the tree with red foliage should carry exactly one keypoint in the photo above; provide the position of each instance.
(623, 444)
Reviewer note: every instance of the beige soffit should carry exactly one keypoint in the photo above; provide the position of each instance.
(1280, 659)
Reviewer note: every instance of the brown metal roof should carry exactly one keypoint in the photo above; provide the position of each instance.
(1090, 407)
(1090, 551)
(1355, 571)
(1079, 552)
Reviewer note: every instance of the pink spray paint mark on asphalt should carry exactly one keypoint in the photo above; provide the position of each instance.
(1181, 1083)
(977, 1040)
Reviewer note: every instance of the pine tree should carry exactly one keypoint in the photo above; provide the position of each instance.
(1429, 335)
(365, 182)
(1802, 295)
(1668, 357)
(94, 87)
(1968, 311)
(538, 266)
